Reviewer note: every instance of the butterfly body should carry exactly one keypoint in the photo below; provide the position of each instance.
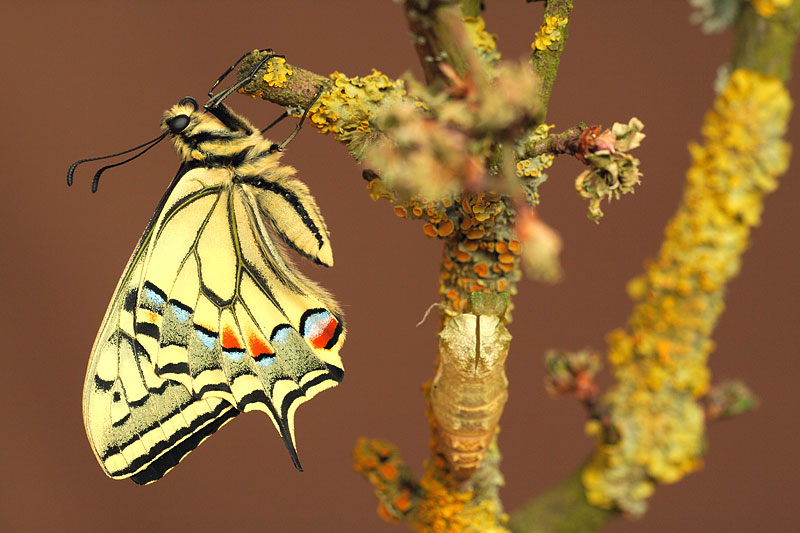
(210, 318)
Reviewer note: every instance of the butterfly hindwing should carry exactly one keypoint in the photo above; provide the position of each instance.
(241, 339)
(293, 213)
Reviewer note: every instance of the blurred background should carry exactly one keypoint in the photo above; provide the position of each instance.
(90, 78)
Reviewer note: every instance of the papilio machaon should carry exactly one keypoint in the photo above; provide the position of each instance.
(210, 318)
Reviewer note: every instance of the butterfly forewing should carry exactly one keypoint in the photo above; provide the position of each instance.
(134, 419)
(209, 318)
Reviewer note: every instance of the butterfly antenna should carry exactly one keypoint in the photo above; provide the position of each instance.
(215, 100)
(280, 147)
(96, 179)
(73, 166)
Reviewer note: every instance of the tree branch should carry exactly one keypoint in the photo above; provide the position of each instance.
(766, 45)
(563, 509)
(283, 84)
(659, 360)
(566, 142)
(438, 36)
(549, 44)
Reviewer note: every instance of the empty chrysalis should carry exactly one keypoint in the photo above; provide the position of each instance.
(470, 388)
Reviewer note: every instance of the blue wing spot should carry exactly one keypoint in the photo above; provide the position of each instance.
(314, 324)
(280, 334)
(208, 338)
(182, 313)
(154, 295)
(266, 361)
(234, 354)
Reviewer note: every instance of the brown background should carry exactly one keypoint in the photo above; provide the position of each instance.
(88, 78)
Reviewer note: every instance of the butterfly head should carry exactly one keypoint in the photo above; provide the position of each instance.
(181, 121)
(202, 132)
(182, 118)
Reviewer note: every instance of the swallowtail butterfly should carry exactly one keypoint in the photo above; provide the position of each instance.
(210, 318)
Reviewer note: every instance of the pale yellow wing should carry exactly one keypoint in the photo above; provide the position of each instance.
(139, 424)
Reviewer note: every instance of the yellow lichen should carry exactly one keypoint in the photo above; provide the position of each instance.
(660, 359)
(533, 167)
(351, 102)
(549, 33)
(767, 8)
(277, 72)
(483, 41)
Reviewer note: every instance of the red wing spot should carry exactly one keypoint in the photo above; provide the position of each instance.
(258, 346)
(153, 317)
(229, 339)
(321, 340)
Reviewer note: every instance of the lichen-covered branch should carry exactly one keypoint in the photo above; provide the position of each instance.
(282, 83)
(440, 31)
(425, 505)
(549, 42)
(766, 34)
(470, 110)
(659, 359)
(612, 171)
(570, 142)
(397, 490)
(347, 107)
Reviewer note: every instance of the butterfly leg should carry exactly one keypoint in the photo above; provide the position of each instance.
(280, 147)
(230, 69)
(283, 116)
(216, 100)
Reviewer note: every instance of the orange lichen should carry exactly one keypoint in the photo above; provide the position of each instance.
(475, 233)
(388, 471)
(394, 484)
(403, 501)
(385, 514)
(446, 228)
(462, 256)
(445, 509)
